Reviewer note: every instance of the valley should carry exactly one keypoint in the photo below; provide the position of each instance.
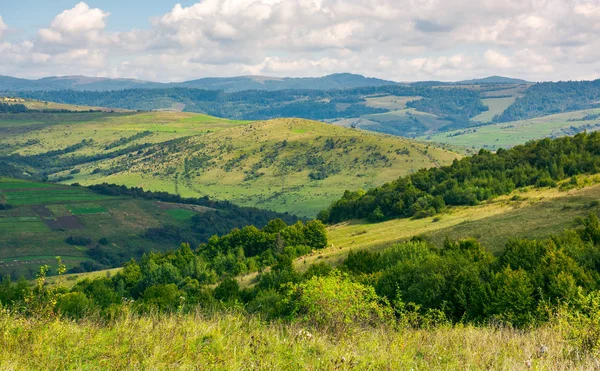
(291, 165)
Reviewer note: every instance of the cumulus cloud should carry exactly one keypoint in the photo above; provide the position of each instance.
(395, 39)
(81, 23)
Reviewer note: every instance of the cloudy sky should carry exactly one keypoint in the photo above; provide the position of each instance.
(401, 40)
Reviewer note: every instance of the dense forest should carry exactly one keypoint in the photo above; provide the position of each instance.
(12, 108)
(550, 98)
(472, 179)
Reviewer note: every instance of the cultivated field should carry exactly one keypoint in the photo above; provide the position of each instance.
(46, 215)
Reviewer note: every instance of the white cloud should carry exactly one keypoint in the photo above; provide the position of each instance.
(498, 60)
(76, 24)
(394, 39)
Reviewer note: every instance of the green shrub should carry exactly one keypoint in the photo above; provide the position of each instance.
(73, 304)
(336, 303)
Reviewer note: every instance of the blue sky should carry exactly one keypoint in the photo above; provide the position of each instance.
(30, 15)
(401, 40)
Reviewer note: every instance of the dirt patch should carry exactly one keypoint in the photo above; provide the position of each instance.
(64, 223)
(171, 206)
(42, 211)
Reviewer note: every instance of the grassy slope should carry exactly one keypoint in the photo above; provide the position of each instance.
(536, 213)
(496, 106)
(56, 131)
(236, 342)
(509, 134)
(221, 142)
(28, 241)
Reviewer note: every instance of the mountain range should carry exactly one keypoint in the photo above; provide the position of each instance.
(228, 84)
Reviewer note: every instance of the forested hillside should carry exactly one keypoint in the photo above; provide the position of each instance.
(472, 180)
(550, 98)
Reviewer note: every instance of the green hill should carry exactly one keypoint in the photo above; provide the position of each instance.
(284, 165)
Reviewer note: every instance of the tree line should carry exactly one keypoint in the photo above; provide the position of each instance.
(414, 283)
(472, 179)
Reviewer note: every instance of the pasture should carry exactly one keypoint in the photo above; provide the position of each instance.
(510, 134)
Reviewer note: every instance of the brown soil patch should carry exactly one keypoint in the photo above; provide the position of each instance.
(65, 222)
(42, 211)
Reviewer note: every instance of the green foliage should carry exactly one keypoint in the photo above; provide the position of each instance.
(472, 179)
(249, 249)
(336, 303)
(553, 97)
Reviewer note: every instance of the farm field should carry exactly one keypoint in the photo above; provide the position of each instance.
(510, 134)
(46, 215)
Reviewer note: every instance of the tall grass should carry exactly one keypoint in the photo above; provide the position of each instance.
(234, 341)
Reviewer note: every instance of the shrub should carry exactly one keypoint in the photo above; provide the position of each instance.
(336, 303)
(78, 241)
(73, 304)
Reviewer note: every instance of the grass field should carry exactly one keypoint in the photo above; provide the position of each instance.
(42, 105)
(181, 214)
(509, 134)
(390, 102)
(496, 106)
(198, 341)
(534, 213)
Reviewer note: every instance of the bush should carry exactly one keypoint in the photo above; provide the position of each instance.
(78, 241)
(73, 304)
(336, 303)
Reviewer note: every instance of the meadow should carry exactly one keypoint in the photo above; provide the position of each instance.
(496, 107)
(510, 134)
(526, 213)
(198, 341)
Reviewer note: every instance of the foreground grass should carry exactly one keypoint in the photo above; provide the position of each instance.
(237, 342)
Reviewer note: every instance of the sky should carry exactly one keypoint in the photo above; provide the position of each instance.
(400, 40)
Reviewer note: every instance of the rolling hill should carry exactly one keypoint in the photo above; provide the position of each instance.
(286, 164)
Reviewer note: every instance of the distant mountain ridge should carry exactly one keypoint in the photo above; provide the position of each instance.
(493, 80)
(227, 84)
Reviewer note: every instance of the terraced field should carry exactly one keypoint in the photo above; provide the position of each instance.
(44, 216)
